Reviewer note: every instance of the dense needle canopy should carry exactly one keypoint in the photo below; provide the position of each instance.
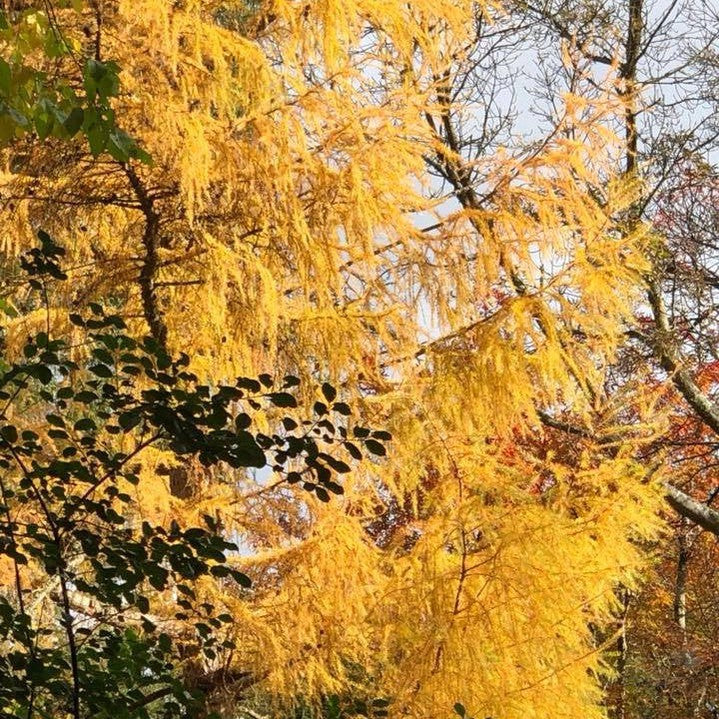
(287, 223)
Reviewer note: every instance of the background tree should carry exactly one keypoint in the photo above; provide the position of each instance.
(666, 58)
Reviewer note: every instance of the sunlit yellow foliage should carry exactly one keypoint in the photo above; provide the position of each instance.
(286, 204)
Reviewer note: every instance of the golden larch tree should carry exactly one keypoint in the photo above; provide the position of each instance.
(287, 223)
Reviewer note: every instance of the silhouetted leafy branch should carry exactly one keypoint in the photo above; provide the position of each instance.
(72, 437)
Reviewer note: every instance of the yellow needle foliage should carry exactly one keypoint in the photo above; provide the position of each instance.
(281, 227)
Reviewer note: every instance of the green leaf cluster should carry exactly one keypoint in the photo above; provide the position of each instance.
(67, 511)
(62, 105)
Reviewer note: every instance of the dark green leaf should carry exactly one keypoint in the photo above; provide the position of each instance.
(243, 421)
(282, 399)
(74, 121)
(329, 392)
(84, 425)
(9, 433)
(100, 370)
(375, 447)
